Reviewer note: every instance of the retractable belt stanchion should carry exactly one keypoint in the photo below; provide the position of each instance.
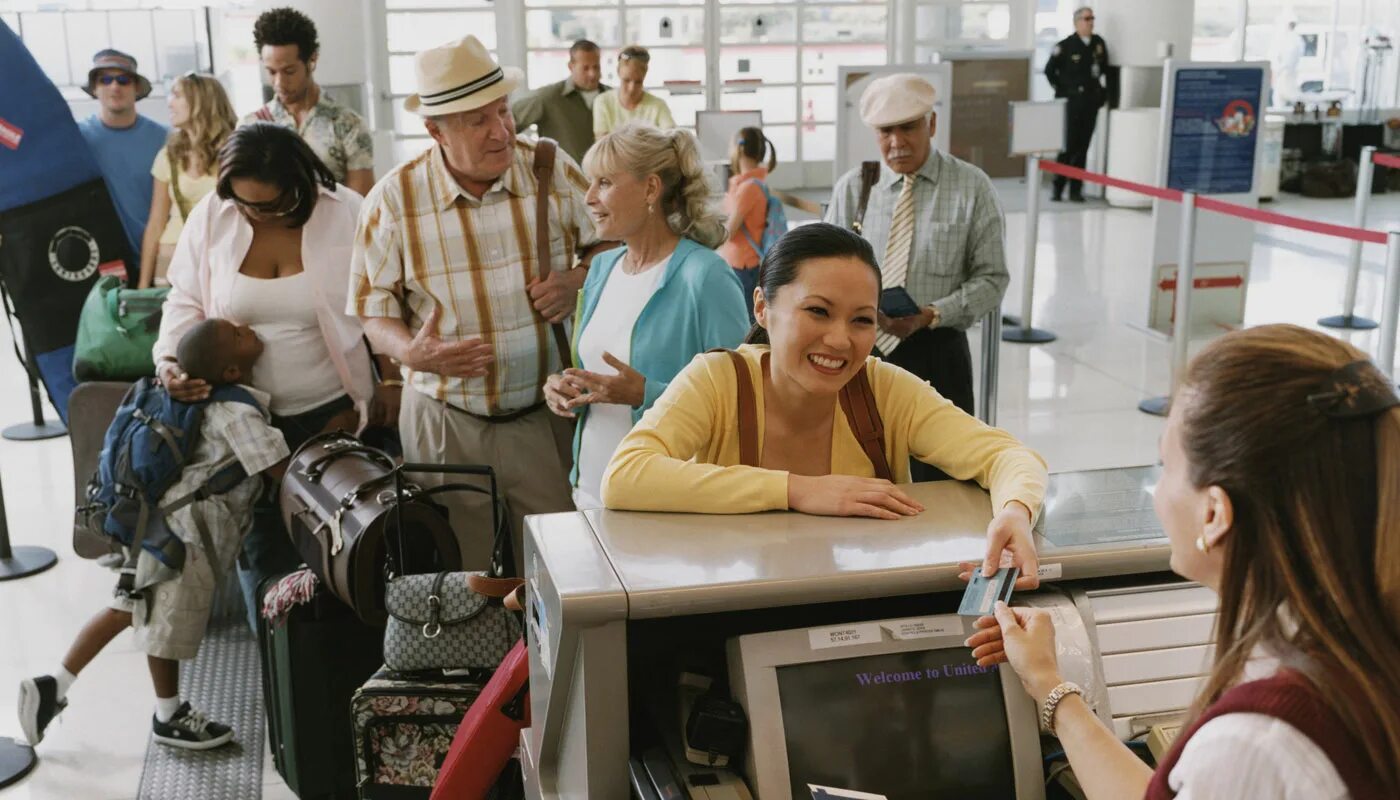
(1390, 311)
(18, 562)
(1181, 316)
(1021, 331)
(991, 356)
(40, 428)
(1348, 320)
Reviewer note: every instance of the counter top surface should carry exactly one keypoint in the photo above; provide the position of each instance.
(1096, 523)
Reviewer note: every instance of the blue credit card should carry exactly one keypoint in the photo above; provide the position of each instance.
(981, 596)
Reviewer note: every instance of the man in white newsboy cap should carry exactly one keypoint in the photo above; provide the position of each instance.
(936, 225)
(448, 282)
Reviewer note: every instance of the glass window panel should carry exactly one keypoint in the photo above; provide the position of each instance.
(666, 26)
(820, 62)
(1216, 32)
(411, 32)
(406, 149)
(761, 2)
(757, 25)
(818, 142)
(395, 4)
(778, 104)
(855, 23)
(131, 33)
(546, 66)
(772, 64)
(53, 56)
(819, 104)
(562, 28)
(87, 33)
(784, 139)
(671, 64)
(683, 106)
(402, 78)
(177, 49)
(980, 22)
(407, 123)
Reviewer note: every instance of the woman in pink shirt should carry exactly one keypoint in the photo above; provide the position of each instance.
(747, 205)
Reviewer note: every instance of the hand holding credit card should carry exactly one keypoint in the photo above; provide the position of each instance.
(982, 593)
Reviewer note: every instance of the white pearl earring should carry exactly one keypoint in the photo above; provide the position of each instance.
(1202, 545)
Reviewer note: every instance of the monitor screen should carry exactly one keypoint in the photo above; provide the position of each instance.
(918, 724)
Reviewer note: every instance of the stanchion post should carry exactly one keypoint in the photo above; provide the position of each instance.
(39, 428)
(1390, 310)
(1024, 333)
(1347, 320)
(17, 562)
(991, 357)
(1181, 316)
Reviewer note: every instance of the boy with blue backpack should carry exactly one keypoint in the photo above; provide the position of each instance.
(175, 485)
(756, 216)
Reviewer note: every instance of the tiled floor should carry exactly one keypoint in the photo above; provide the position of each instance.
(1075, 400)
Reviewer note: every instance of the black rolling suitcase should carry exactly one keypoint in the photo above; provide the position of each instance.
(313, 661)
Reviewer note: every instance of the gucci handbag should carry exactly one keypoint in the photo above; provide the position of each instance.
(454, 620)
(449, 620)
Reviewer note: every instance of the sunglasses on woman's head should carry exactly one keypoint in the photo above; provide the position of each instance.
(120, 80)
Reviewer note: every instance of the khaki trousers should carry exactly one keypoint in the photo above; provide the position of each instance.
(532, 456)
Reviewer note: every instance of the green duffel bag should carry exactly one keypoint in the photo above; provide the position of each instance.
(116, 331)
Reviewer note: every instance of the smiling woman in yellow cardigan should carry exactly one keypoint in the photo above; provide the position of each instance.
(817, 304)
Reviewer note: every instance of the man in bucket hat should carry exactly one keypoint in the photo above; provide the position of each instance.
(123, 142)
(936, 225)
(446, 279)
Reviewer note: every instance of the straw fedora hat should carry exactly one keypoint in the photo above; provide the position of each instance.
(458, 76)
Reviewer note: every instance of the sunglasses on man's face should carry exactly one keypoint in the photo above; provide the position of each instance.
(120, 80)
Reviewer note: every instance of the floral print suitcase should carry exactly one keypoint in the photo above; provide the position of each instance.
(404, 724)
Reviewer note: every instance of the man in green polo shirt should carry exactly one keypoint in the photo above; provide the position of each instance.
(564, 110)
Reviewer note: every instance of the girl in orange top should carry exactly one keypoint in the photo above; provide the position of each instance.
(746, 202)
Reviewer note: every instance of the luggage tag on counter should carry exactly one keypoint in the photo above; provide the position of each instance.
(982, 594)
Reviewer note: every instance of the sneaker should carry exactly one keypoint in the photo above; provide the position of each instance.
(191, 730)
(38, 705)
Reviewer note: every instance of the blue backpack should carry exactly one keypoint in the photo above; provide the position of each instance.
(143, 455)
(775, 222)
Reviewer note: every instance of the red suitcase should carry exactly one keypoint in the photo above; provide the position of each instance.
(490, 732)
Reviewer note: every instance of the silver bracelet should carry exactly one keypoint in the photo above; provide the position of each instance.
(1052, 702)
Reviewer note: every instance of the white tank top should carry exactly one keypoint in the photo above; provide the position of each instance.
(295, 367)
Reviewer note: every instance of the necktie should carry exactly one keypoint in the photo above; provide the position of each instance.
(895, 267)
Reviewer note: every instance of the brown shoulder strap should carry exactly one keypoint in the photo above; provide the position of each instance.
(748, 409)
(869, 176)
(544, 186)
(858, 402)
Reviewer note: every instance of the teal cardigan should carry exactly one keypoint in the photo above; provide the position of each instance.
(697, 306)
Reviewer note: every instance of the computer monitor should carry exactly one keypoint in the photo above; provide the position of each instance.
(896, 708)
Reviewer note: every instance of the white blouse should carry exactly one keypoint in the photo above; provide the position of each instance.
(1254, 755)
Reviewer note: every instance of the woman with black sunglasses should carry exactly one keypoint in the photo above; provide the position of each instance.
(270, 248)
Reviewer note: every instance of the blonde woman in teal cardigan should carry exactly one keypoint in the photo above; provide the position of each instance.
(650, 306)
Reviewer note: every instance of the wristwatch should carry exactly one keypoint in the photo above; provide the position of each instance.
(1052, 702)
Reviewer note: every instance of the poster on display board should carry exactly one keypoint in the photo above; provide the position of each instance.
(1214, 130)
(1209, 144)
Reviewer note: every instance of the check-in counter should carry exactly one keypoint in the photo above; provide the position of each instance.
(599, 580)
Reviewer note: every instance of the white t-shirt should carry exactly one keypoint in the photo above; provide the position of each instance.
(295, 366)
(589, 97)
(610, 329)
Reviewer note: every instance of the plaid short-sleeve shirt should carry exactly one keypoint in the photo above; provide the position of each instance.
(424, 241)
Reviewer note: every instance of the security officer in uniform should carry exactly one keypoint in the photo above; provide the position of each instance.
(1076, 69)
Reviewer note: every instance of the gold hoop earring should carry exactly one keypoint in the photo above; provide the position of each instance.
(1202, 545)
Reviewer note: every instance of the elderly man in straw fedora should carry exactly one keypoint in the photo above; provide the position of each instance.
(936, 224)
(448, 282)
